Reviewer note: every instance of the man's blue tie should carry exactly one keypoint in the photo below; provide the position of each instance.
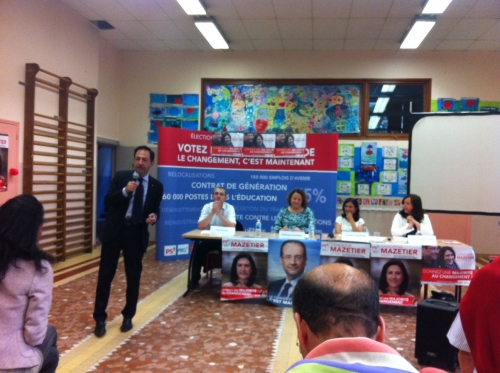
(284, 292)
(137, 204)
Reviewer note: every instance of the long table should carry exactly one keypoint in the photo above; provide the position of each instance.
(197, 236)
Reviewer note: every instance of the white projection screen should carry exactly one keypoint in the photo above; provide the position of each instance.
(455, 163)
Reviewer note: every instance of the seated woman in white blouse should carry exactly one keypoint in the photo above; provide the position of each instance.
(411, 219)
(349, 221)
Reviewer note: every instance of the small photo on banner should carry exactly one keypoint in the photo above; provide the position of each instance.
(397, 270)
(227, 144)
(288, 260)
(258, 145)
(295, 146)
(244, 268)
(354, 254)
(444, 265)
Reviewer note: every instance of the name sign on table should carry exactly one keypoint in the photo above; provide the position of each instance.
(396, 268)
(222, 231)
(292, 234)
(421, 240)
(355, 236)
(244, 268)
(355, 254)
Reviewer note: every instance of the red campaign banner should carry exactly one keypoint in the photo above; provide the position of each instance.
(398, 300)
(235, 293)
(185, 148)
(443, 276)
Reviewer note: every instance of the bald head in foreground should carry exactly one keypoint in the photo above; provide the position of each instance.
(336, 310)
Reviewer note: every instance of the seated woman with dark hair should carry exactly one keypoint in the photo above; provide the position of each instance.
(411, 219)
(27, 343)
(394, 279)
(297, 216)
(349, 221)
(243, 272)
(446, 258)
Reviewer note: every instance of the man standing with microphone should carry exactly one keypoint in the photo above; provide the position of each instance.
(133, 202)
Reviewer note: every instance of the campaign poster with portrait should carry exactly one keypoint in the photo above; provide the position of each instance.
(449, 264)
(355, 254)
(244, 268)
(396, 269)
(288, 259)
(4, 155)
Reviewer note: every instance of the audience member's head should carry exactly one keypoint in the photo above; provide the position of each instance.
(336, 301)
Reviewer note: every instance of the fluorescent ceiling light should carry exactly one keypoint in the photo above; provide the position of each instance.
(192, 7)
(417, 33)
(381, 104)
(436, 6)
(388, 87)
(373, 122)
(212, 34)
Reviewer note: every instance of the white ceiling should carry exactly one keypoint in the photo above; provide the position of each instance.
(250, 25)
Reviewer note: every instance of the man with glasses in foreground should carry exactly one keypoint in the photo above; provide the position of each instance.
(218, 213)
(293, 255)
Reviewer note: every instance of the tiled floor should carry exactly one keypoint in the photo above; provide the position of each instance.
(171, 333)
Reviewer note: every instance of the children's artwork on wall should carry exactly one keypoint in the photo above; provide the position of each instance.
(403, 159)
(381, 189)
(389, 176)
(390, 151)
(363, 189)
(403, 182)
(290, 108)
(346, 150)
(390, 164)
(369, 153)
(346, 162)
(178, 110)
(381, 176)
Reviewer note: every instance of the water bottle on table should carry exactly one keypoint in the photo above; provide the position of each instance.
(258, 228)
(311, 230)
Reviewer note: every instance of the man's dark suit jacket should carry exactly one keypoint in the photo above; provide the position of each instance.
(275, 287)
(117, 205)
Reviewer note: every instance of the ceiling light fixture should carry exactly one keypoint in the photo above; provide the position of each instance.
(418, 32)
(381, 104)
(212, 34)
(436, 6)
(192, 7)
(388, 87)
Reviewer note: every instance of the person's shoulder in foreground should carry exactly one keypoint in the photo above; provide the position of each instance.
(336, 311)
